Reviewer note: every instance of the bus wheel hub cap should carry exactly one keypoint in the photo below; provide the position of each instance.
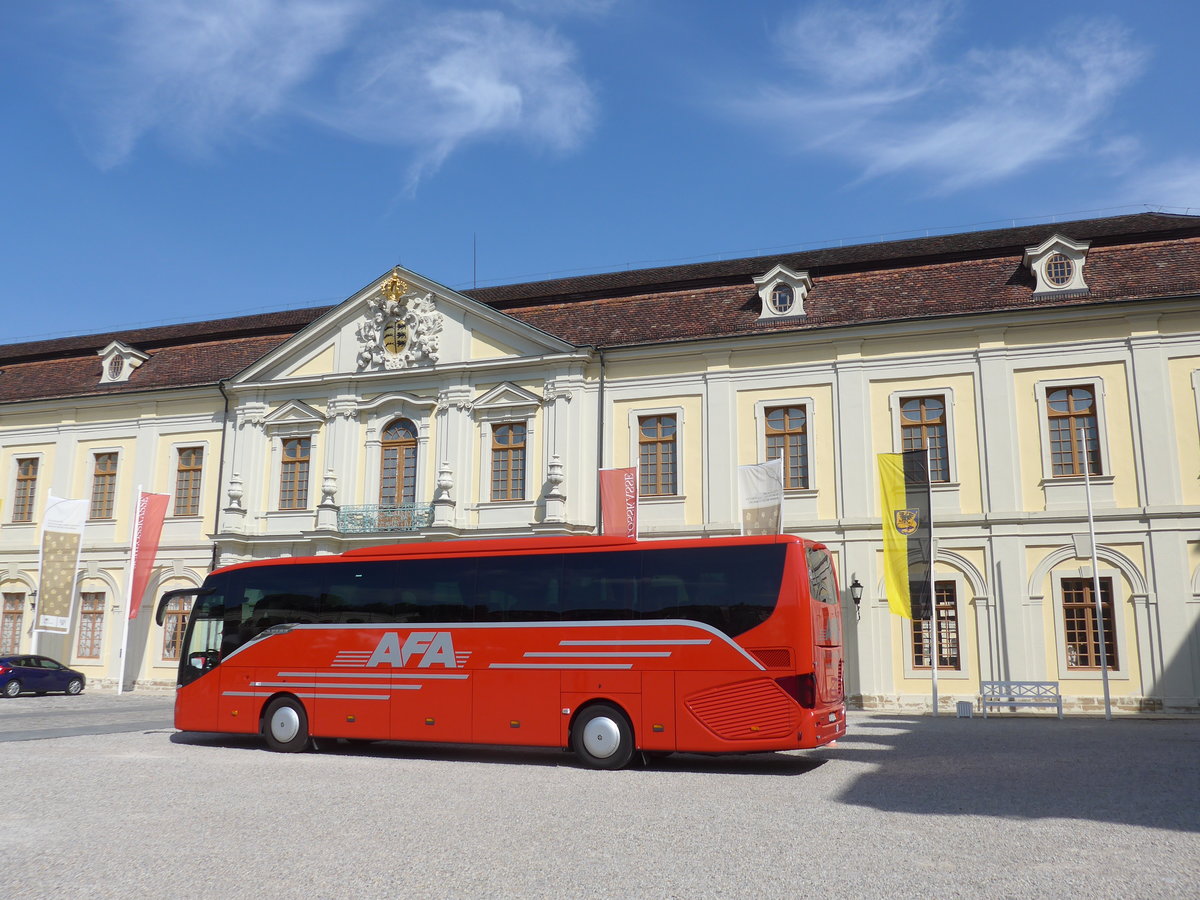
(601, 737)
(285, 724)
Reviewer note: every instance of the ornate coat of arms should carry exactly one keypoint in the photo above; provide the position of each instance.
(402, 327)
(907, 520)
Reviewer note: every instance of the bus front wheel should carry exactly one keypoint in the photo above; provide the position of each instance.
(602, 737)
(285, 725)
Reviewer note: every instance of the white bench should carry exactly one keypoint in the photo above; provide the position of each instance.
(1019, 693)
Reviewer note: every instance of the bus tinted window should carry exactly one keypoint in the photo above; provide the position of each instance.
(821, 582)
(519, 589)
(357, 593)
(733, 590)
(602, 586)
(434, 590)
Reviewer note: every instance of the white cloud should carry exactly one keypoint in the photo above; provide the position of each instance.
(844, 45)
(200, 75)
(870, 91)
(451, 78)
(195, 73)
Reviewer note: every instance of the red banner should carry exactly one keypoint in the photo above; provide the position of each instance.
(151, 510)
(618, 501)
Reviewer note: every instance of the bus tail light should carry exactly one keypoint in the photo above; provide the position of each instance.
(802, 688)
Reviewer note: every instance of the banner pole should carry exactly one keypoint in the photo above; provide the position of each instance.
(934, 649)
(133, 541)
(1087, 489)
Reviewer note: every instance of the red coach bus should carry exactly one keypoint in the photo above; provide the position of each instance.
(607, 646)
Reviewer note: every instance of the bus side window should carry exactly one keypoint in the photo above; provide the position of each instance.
(436, 590)
(519, 588)
(601, 586)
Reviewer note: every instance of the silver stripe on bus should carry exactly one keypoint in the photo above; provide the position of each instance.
(466, 626)
(598, 654)
(309, 696)
(399, 673)
(698, 642)
(561, 666)
(299, 684)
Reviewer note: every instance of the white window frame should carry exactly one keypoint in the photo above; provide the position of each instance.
(1042, 390)
(374, 456)
(1120, 598)
(204, 467)
(635, 455)
(314, 497)
(12, 488)
(485, 421)
(897, 398)
(962, 596)
(92, 453)
(760, 433)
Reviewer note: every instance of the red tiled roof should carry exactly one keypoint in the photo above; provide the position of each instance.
(1142, 256)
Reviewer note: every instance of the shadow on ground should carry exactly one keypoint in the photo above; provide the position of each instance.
(1132, 772)
(759, 764)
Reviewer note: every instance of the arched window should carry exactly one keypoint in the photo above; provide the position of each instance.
(398, 467)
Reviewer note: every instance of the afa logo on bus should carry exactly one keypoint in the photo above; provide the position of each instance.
(433, 648)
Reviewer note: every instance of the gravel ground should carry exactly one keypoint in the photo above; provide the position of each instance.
(902, 807)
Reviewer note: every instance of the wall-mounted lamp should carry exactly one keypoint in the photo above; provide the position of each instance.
(856, 590)
(32, 600)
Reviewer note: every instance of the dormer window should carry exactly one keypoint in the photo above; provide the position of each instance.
(1059, 270)
(782, 299)
(119, 360)
(1057, 266)
(782, 293)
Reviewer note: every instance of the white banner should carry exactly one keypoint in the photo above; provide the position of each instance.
(62, 539)
(760, 488)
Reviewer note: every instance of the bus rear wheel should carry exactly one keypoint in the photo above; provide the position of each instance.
(602, 737)
(285, 725)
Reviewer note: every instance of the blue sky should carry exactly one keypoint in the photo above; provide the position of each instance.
(178, 160)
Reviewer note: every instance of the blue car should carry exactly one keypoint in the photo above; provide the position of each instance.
(37, 674)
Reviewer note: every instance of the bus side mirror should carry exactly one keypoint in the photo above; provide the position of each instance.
(160, 612)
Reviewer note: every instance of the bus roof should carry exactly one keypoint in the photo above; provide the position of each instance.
(500, 546)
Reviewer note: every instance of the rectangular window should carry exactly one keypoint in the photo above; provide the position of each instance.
(1079, 623)
(946, 607)
(26, 490)
(293, 476)
(174, 622)
(187, 481)
(104, 485)
(923, 427)
(1070, 411)
(657, 456)
(12, 614)
(508, 461)
(787, 439)
(91, 624)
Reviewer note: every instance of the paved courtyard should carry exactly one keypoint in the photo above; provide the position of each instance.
(903, 807)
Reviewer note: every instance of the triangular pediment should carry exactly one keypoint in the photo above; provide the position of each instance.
(507, 396)
(294, 412)
(401, 323)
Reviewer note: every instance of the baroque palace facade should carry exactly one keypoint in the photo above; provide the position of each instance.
(415, 412)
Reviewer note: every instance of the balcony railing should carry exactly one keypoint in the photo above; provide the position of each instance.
(373, 518)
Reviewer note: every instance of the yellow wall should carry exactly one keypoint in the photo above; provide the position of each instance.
(1183, 405)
